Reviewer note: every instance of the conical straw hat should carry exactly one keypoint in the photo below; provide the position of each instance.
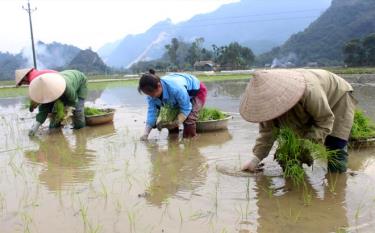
(47, 88)
(271, 93)
(20, 74)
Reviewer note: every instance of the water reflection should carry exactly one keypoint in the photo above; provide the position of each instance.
(179, 167)
(66, 163)
(232, 89)
(298, 212)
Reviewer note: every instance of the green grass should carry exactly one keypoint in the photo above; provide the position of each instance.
(206, 114)
(93, 111)
(363, 127)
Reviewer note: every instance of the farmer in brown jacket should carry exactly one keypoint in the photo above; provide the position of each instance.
(316, 104)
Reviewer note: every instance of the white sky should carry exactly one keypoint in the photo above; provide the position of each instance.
(90, 23)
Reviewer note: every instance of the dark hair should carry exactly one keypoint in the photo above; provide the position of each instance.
(152, 71)
(148, 83)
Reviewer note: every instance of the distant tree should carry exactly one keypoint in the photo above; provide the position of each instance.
(206, 54)
(354, 54)
(195, 51)
(369, 49)
(359, 52)
(172, 50)
(233, 56)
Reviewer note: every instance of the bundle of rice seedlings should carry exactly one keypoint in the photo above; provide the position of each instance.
(292, 151)
(167, 114)
(363, 127)
(93, 111)
(58, 112)
(206, 114)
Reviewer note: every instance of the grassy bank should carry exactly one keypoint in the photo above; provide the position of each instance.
(102, 82)
(351, 70)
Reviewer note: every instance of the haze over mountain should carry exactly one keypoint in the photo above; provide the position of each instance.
(258, 24)
(53, 55)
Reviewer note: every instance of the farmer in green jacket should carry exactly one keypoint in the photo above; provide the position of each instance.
(68, 87)
(316, 104)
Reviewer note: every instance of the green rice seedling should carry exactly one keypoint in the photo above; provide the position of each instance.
(293, 151)
(363, 127)
(307, 196)
(93, 111)
(58, 112)
(27, 221)
(2, 204)
(167, 114)
(341, 230)
(181, 217)
(332, 183)
(131, 219)
(206, 114)
(295, 216)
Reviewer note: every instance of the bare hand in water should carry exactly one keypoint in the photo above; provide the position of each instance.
(253, 165)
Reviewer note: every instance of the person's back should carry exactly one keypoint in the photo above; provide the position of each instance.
(76, 87)
(333, 86)
(188, 81)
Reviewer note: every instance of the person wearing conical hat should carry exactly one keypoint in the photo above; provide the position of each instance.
(68, 86)
(316, 104)
(25, 76)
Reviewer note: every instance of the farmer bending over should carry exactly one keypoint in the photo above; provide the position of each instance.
(48, 89)
(316, 104)
(183, 91)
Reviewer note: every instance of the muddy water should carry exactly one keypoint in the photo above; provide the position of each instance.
(103, 179)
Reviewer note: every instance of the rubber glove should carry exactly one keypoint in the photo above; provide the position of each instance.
(34, 129)
(146, 132)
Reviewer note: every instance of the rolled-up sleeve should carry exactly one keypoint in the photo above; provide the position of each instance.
(316, 104)
(43, 111)
(265, 140)
(183, 100)
(152, 113)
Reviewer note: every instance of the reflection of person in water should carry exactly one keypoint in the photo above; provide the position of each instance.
(64, 164)
(179, 167)
(288, 213)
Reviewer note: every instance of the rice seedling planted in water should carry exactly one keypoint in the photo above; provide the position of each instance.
(206, 114)
(363, 127)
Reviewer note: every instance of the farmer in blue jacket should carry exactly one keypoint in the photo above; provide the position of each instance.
(180, 90)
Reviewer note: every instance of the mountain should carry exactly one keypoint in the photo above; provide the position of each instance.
(258, 24)
(88, 62)
(55, 54)
(9, 63)
(324, 39)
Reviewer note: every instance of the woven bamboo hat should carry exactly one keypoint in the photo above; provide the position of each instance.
(271, 93)
(21, 74)
(47, 88)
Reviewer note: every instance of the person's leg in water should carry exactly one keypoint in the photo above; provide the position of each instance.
(190, 124)
(79, 114)
(338, 140)
(340, 161)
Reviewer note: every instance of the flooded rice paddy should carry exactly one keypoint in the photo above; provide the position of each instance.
(103, 179)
